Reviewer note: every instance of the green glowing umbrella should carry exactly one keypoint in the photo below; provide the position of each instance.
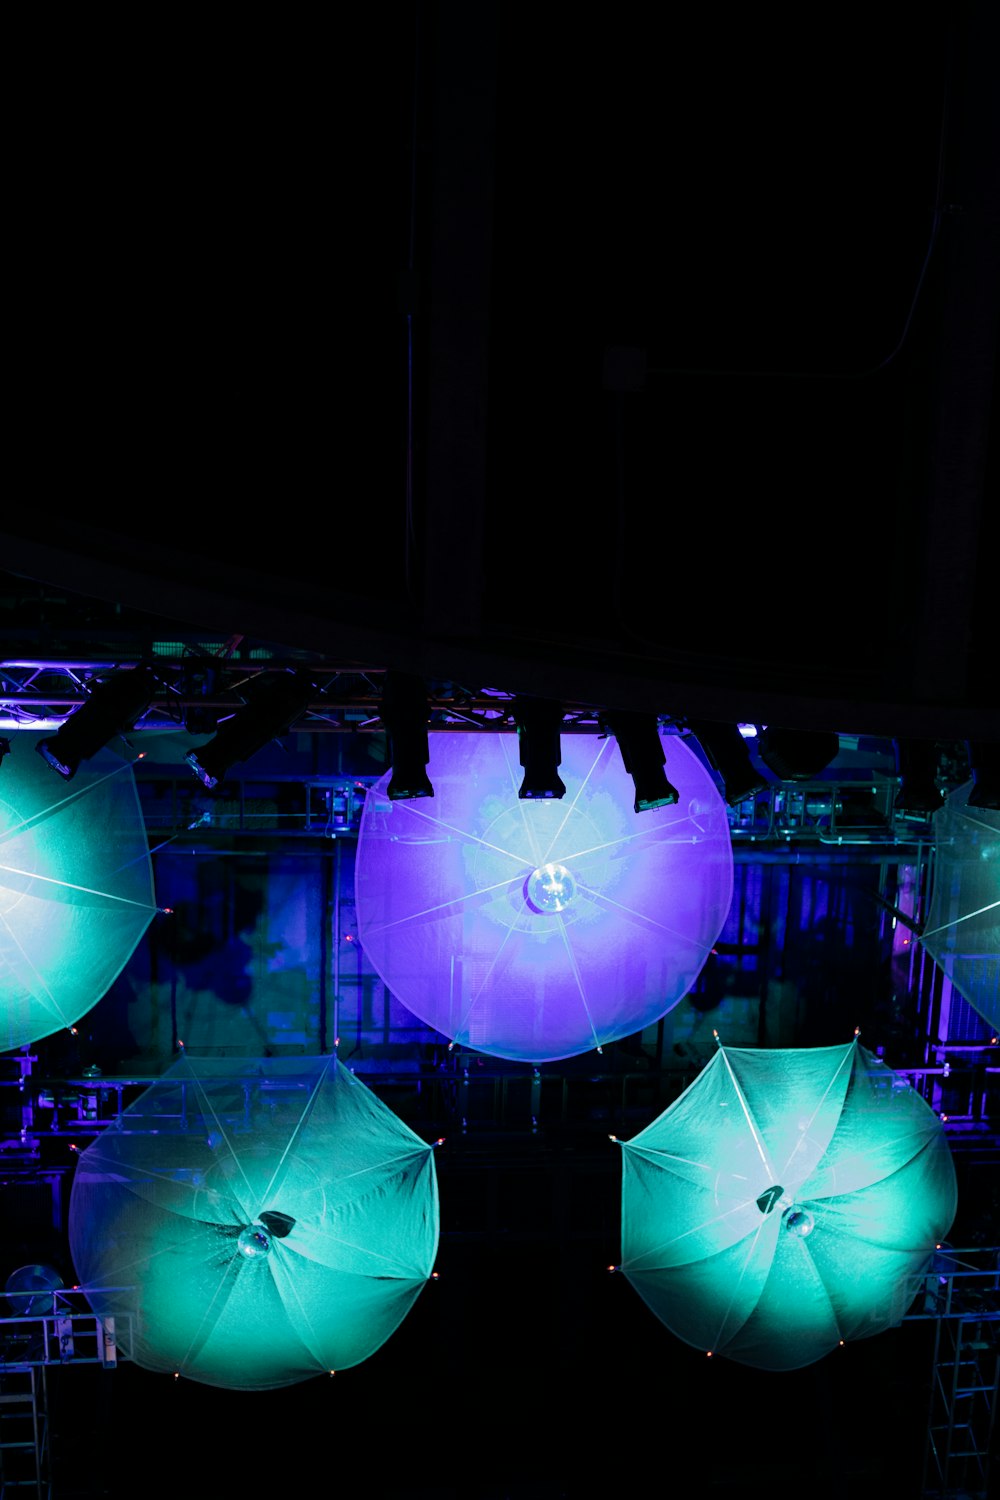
(789, 1200)
(962, 930)
(254, 1224)
(76, 888)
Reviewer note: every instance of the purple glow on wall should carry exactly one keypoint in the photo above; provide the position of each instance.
(540, 929)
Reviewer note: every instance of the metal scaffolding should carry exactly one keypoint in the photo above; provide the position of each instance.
(962, 1298)
(62, 1335)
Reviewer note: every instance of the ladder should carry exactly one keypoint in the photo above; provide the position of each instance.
(25, 1468)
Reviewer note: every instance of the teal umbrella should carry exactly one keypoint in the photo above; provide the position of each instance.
(789, 1200)
(254, 1224)
(962, 927)
(76, 888)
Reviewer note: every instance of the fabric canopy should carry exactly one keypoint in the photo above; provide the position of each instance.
(254, 1224)
(962, 929)
(76, 888)
(789, 1200)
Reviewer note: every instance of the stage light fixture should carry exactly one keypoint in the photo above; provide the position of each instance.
(797, 754)
(727, 751)
(4, 749)
(642, 753)
(539, 721)
(114, 705)
(917, 764)
(272, 703)
(984, 763)
(405, 714)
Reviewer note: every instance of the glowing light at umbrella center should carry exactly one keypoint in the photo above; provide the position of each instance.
(798, 1221)
(253, 1241)
(549, 888)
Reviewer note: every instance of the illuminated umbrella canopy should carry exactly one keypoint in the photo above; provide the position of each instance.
(789, 1200)
(962, 930)
(540, 929)
(76, 888)
(256, 1224)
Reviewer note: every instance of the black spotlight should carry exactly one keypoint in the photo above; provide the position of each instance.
(538, 723)
(4, 749)
(643, 757)
(984, 763)
(917, 765)
(797, 754)
(114, 705)
(272, 703)
(726, 749)
(404, 713)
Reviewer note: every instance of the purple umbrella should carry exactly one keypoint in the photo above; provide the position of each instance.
(540, 929)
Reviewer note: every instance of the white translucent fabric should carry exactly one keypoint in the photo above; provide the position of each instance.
(543, 928)
(962, 928)
(76, 888)
(252, 1224)
(787, 1201)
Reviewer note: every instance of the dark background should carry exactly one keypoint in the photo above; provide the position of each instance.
(778, 504)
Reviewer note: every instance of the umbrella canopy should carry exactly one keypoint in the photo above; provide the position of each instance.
(788, 1201)
(962, 929)
(254, 1225)
(76, 888)
(540, 929)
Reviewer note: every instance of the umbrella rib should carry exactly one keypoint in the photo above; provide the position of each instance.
(651, 1151)
(144, 1260)
(70, 885)
(640, 917)
(743, 1105)
(931, 1138)
(54, 807)
(530, 832)
(576, 797)
(979, 822)
(313, 1339)
(50, 999)
(992, 905)
(147, 1174)
(485, 981)
(695, 1229)
(233, 1262)
(739, 1282)
(306, 1111)
(628, 838)
(364, 1250)
(578, 977)
(377, 1166)
(463, 833)
(428, 911)
(849, 1052)
(222, 1130)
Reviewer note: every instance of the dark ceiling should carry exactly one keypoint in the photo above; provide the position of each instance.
(703, 312)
